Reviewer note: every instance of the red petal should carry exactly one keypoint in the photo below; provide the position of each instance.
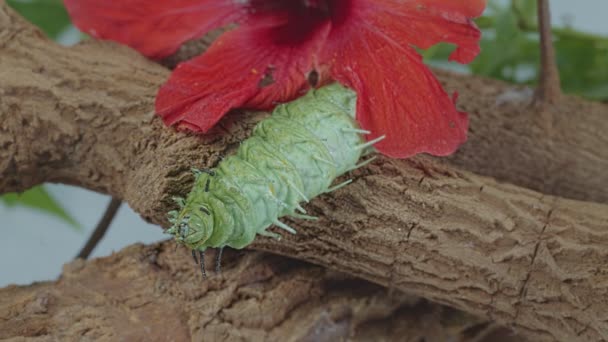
(397, 95)
(424, 23)
(156, 28)
(254, 67)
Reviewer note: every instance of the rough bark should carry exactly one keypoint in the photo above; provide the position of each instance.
(533, 261)
(154, 294)
(84, 116)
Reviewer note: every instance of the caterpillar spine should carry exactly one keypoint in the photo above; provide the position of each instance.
(290, 158)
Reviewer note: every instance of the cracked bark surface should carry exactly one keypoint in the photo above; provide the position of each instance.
(496, 250)
(258, 297)
(84, 116)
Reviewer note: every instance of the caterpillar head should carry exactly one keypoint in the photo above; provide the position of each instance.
(193, 224)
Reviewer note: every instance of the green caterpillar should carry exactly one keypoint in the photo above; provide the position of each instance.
(291, 157)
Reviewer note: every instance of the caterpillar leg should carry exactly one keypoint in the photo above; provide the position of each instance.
(369, 143)
(284, 226)
(202, 262)
(298, 191)
(355, 130)
(270, 235)
(304, 217)
(363, 163)
(194, 257)
(300, 209)
(218, 260)
(341, 185)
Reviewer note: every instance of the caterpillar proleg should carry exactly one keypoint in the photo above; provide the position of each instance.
(291, 157)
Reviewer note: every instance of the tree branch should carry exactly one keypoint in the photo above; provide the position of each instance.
(259, 297)
(84, 116)
(532, 261)
(549, 88)
(101, 228)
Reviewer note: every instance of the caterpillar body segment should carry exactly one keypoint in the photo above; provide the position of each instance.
(291, 157)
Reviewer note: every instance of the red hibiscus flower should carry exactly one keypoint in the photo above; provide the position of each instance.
(280, 47)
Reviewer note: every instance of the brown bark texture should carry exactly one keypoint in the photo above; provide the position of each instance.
(152, 294)
(440, 230)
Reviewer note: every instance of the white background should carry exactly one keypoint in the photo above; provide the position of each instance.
(34, 246)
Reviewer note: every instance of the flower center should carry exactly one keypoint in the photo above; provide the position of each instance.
(321, 5)
(296, 21)
(305, 7)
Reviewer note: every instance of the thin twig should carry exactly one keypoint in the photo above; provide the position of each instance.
(549, 89)
(101, 228)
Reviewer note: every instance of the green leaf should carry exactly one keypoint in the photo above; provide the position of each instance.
(510, 51)
(49, 15)
(525, 11)
(38, 198)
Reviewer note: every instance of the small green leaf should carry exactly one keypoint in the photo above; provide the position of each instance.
(50, 15)
(38, 198)
(525, 11)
